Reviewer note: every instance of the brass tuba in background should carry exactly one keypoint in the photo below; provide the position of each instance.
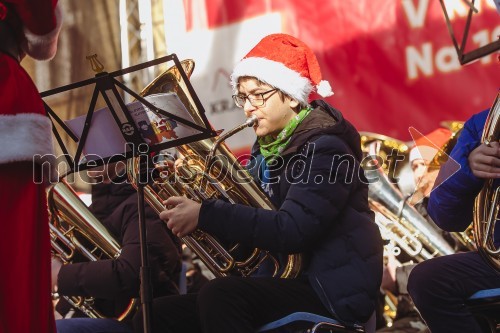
(486, 207)
(210, 170)
(74, 229)
(381, 193)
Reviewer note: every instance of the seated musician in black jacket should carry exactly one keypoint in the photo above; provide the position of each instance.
(114, 282)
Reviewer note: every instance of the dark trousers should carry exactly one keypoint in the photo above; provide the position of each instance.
(440, 286)
(233, 305)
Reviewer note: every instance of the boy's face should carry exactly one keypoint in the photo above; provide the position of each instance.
(274, 115)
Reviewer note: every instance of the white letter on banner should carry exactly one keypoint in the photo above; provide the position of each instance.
(447, 59)
(416, 60)
(416, 16)
(459, 8)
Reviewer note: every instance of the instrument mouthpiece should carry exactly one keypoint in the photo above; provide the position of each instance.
(252, 121)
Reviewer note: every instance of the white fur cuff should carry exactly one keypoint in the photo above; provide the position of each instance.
(25, 135)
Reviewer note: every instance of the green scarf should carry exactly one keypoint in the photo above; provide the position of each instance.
(271, 148)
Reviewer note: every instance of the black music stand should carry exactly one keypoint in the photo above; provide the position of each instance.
(106, 85)
(463, 56)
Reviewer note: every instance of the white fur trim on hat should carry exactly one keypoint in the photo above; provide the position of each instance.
(24, 136)
(43, 47)
(275, 74)
(423, 152)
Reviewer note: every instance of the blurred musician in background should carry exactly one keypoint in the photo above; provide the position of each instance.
(324, 216)
(26, 28)
(113, 282)
(424, 172)
(440, 286)
(395, 277)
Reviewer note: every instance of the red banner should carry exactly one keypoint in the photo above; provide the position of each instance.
(391, 64)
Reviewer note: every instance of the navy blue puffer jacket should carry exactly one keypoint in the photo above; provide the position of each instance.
(322, 198)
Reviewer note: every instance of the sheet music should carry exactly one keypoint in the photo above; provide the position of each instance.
(105, 138)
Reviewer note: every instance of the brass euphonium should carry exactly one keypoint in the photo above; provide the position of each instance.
(408, 218)
(399, 237)
(218, 176)
(487, 206)
(74, 229)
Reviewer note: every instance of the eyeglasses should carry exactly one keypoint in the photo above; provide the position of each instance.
(254, 99)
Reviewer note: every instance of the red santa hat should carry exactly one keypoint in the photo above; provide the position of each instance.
(286, 63)
(427, 146)
(42, 30)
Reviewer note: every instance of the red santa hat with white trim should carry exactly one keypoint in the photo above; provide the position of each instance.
(286, 63)
(427, 146)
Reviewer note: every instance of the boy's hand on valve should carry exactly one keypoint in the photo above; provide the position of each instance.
(181, 215)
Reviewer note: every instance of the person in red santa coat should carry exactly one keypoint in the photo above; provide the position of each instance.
(27, 27)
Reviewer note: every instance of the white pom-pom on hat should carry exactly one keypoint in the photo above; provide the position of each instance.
(324, 89)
